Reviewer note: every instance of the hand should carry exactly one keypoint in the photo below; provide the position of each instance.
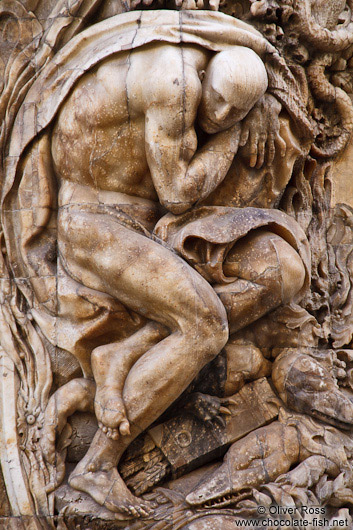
(208, 408)
(260, 132)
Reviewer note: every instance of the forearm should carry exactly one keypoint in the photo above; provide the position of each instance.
(211, 163)
(183, 175)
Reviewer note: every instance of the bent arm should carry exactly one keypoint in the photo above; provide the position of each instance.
(182, 175)
(211, 163)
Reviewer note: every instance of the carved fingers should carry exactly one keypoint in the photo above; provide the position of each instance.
(254, 137)
(135, 3)
(195, 4)
(260, 137)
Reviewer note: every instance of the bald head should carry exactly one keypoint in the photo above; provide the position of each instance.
(234, 81)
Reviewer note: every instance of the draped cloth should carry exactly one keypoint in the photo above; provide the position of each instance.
(29, 200)
(204, 236)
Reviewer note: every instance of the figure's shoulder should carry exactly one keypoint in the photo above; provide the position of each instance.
(167, 74)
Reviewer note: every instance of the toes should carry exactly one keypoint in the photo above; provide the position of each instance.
(125, 509)
(282, 478)
(139, 510)
(142, 512)
(133, 511)
(103, 427)
(124, 428)
(145, 510)
(113, 433)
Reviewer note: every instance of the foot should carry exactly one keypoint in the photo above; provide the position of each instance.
(108, 489)
(110, 412)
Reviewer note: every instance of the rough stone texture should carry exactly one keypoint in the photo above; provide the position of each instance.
(176, 263)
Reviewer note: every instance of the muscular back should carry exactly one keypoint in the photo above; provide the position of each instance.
(107, 129)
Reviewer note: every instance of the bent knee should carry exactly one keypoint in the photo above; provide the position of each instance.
(215, 337)
(99, 355)
(292, 269)
(211, 332)
(206, 326)
(102, 355)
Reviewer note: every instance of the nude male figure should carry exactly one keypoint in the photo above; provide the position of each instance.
(125, 149)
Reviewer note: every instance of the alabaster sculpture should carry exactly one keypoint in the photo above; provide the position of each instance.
(176, 263)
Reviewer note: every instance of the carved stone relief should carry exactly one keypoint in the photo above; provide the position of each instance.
(176, 264)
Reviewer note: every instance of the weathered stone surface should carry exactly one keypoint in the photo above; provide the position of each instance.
(176, 262)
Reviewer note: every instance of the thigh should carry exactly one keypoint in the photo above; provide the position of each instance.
(266, 259)
(104, 255)
(254, 255)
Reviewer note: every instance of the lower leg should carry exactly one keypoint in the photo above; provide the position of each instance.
(162, 374)
(148, 278)
(111, 364)
(152, 385)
